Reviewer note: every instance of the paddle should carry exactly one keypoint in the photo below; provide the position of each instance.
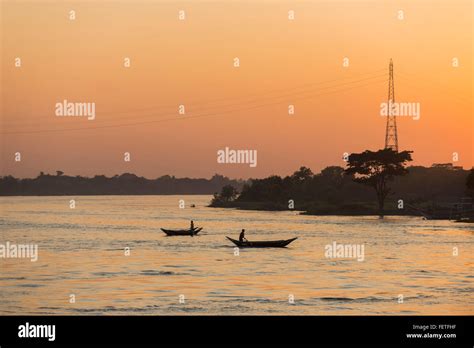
(194, 229)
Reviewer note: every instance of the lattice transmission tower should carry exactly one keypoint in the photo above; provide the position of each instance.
(391, 137)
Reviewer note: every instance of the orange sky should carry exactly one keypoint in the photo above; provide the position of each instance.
(191, 62)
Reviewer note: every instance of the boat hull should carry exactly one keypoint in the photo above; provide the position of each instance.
(262, 244)
(182, 232)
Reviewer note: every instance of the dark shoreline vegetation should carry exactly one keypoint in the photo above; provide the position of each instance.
(125, 184)
(434, 192)
(430, 192)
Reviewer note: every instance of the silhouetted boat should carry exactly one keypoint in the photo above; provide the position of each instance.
(188, 232)
(262, 244)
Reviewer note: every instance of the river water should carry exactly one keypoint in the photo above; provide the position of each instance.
(410, 266)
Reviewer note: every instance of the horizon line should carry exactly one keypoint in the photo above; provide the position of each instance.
(441, 165)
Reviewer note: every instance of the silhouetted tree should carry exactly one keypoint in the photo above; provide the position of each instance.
(228, 193)
(302, 174)
(376, 169)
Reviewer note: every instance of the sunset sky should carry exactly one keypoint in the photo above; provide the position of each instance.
(190, 62)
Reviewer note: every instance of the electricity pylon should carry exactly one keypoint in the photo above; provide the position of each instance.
(391, 137)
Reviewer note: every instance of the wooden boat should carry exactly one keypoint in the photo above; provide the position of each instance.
(262, 244)
(188, 232)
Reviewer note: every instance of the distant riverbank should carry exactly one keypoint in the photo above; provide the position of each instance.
(350, 209)
(428, 210)
(124, 184)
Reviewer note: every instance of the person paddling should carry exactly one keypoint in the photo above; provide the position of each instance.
(242, 236)
(192, 228)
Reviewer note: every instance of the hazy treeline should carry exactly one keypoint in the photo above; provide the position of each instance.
(125, 184)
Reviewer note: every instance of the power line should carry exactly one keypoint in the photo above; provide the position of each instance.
(176, 118)
(212, 103)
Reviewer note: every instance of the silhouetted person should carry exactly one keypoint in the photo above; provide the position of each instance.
(242, 236)
(192, 228)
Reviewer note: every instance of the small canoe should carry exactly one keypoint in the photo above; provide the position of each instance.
(188, 232)
(262, 244)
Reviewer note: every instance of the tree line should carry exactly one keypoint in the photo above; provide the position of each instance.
(373, 182)
(125, 184)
